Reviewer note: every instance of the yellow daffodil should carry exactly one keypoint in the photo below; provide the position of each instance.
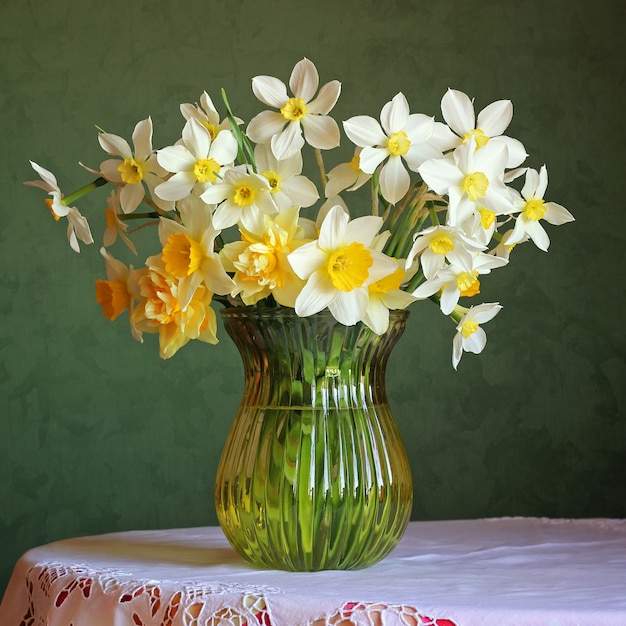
(189, 251)
(259, 261)
(160, 310)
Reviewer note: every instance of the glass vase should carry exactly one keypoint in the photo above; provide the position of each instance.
(314, 474)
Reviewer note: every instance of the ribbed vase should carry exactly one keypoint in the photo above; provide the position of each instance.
(314, 474)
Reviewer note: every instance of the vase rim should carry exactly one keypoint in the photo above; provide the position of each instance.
(288, 312)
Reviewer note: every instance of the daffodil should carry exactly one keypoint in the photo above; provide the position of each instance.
(470, 337)
(77, 229)
(532, 208)
(134, 168)
(119, 292)
(189, 251)
(207, 115)
(346, 176)
(49, 183)
(114, 225)
(340, 266)
(259, 261)
(386, 294)
(160, 310)
(297, 114)
(440, 244)
(287, 185)
(240, 197)
(195, 162)
(492, 121)
(77, 225)
(402, 137)
(453, 282)
(472, 179)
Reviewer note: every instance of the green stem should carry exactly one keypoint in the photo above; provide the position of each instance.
(126, 217)
(83, 191)
(434, 218)
(246, 151)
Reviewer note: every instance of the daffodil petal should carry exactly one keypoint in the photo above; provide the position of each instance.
(371, 158)
(142, 139)
(394, 180)
(364, 131)
(270, 91)
(287, 142)
(263, 126)
(131, 196)
(321, 131)
(224, 148)
(197, 139)
(304, 80)
(394, 114)
(316, 295)
(494, 119)
(176, 187)
(175, 158)
(349, 307)
(114, 145)
(458, 111)
(326, 98)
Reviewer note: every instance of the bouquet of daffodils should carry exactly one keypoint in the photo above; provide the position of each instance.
(443, 212)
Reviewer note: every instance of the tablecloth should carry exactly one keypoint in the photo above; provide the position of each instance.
(489, 572)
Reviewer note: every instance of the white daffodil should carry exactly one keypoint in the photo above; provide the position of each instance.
(402, 136)
(470, 337)
(532, 208)
(240, 197)
(471, 178)
(481, 225)
(340, 266)
(195, 162)
(259, 261)
(207, 115)
(77, 229)
(287, 186)
(348, 176)
(135, 168)
(189, 251)
(438, 244)
(77, 225)
(300, 113)
(454, 282)
(49, 183)
(504, 248)
(492, 121)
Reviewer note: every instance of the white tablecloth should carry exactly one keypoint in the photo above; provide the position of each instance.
(492, 572)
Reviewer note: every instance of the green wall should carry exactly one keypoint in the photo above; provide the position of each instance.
(97, 434)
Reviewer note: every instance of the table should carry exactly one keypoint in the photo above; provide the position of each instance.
(489, 572)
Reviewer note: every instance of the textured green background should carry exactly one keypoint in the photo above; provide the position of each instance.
(97, 434)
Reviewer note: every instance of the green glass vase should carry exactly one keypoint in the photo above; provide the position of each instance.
(314, 474)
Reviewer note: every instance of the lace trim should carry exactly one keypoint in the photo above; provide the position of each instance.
(58, 592)
(599, 523)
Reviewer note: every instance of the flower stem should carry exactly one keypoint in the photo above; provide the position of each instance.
(83, 191)
(320, 164)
